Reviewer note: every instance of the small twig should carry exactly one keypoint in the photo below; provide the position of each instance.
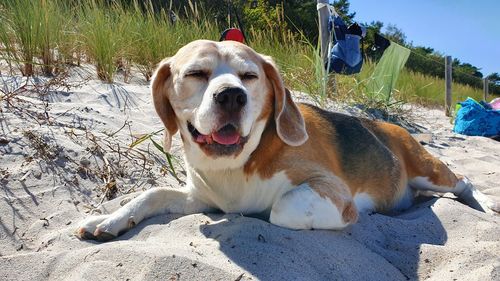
(64, 113)
(25, 176)
(124, 124)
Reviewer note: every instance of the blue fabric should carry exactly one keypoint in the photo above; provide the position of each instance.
(474, 120)
(348, 50)
(346, 55)
(485, 104)
(340, 28)
(338, 65)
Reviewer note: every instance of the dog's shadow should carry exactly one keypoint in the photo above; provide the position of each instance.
(378, 247)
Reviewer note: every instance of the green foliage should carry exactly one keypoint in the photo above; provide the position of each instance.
(297, 15)
(424, 60)
(300, 17)
(104, 35)
(494, 78)
(395, 34)
(31, 33)
(114, 33)
(168, 156)
(342, 7)
(21, 30)
(7, 47)
(155, 36)
(368, 42)
(411, 87)
(264, 16)
(428, 62)
(317, 84)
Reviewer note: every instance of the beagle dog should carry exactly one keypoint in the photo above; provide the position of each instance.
(250, 149)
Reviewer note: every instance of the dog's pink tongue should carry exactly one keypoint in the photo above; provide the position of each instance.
(226, 137)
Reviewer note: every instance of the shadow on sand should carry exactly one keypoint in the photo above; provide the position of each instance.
(379, 247)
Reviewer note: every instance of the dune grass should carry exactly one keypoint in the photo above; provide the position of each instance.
(104, 33)
(52, 21)
(410, 87)
(40, 36)
(31, 33)
(155, 35)
(21, 24)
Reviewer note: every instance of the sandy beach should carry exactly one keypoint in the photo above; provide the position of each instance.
(65, 152)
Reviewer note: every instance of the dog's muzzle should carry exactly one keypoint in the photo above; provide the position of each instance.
(226, 139)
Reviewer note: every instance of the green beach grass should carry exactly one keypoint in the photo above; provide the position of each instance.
(41, 36)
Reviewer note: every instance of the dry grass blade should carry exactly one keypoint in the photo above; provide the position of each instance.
(144, 137)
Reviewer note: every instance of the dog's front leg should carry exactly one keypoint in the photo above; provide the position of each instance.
(321, 202)
(152, 202)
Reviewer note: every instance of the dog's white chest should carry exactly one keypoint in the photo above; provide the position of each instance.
(234, 192)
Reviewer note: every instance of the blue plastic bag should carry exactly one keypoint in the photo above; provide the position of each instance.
(473, 119)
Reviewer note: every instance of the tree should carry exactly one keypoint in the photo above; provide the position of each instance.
(393, 33)
(424, 50)
(300, 16)
(342, 8)
(369, 40)
(494, 78)
(264, 16)
(426, 61)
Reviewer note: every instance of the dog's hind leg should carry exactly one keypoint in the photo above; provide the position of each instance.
(463, 189)
(320, 203)
(434, 176)
(429, 174)
(152, 202)
(426, 173)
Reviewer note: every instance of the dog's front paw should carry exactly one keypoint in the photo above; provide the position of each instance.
(88, 227)
(104, 228)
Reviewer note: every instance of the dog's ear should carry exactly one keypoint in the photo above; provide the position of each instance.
(290, 124)
(160, 83)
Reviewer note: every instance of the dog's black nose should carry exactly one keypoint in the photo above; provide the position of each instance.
(231, 99)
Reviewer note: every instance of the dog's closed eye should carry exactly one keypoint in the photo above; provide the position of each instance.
(248, 76)
(198, 74)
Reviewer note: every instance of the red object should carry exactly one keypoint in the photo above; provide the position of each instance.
(233, 34)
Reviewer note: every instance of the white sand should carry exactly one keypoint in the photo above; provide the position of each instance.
(50, 182)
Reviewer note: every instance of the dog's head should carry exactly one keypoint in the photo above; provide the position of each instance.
(220, 96)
